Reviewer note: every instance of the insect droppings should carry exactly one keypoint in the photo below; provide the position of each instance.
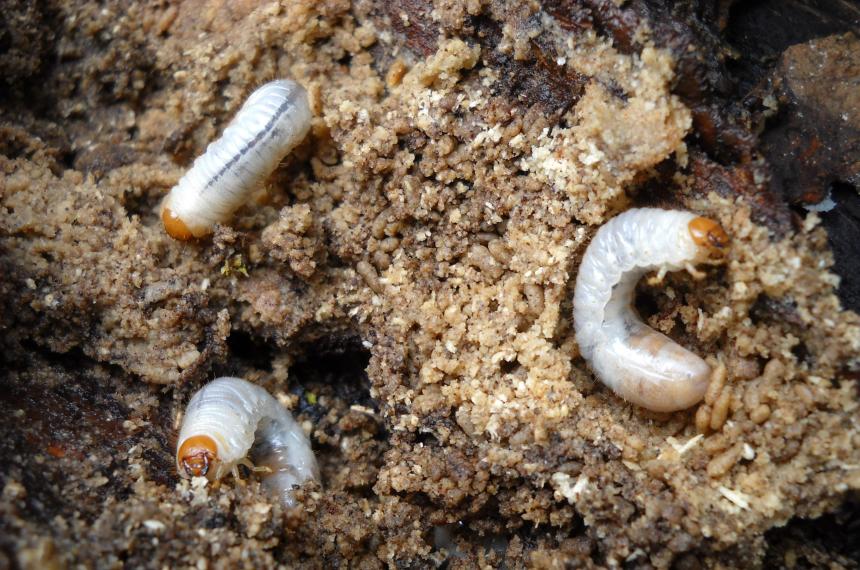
(228, 422)
(273, 121)
(640, 364)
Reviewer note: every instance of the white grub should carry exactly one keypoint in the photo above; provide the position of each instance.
(229, 420)
(640, 364)
(274, 119)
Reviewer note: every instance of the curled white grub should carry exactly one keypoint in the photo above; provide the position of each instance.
(640, 364)
(229, 421)
(274, 119)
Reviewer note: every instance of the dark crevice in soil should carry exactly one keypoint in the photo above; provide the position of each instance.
(815, 543)
(843, 230)
(249, 351)
(339, 362)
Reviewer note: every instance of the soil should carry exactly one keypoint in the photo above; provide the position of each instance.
(403, 282)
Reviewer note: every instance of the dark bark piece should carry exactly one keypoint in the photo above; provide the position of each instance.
(750, 181)
(813, 144)
(690, 30)
(411, 20)
(761, 30)
(534, 80)
(537, 80)
(815, 140)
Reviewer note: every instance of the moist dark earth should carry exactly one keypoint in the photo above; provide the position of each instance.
(402, 282)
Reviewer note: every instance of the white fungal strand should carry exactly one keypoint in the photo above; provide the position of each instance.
(274, 119)
(228, 422)
(640, 364)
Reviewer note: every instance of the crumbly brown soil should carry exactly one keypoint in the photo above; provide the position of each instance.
(404, 286)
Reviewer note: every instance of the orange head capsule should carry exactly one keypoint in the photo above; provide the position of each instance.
(175, 227)
(197, 454)
(708, 234)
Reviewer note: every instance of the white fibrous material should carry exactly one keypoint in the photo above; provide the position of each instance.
(231, 420)
(640, 364)
(273, 121)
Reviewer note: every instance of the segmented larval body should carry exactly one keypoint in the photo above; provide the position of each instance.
(274, 119)
(229, 420)
(640, 364)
